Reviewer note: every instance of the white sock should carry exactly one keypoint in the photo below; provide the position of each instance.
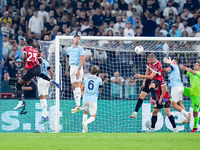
(185, 113)
(84, 118)
(77, 95)
(20, 102)
(44, 107)
(90, 120)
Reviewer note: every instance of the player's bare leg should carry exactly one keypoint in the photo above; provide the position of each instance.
(196, 120)
(171, 118)
(139, 104)
(85, 115)
(76, 86)
(181, 110)
(21, 103)
(181, 105)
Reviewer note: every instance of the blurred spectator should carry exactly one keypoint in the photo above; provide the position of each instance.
(104, 77)
(86, 72)
(77, 31)
(171, 20)
(192, 5)
(168, 8)
(186, 28)
(92, 31)
(10, 42)
(22, 44)
(128, 32)
(138, 31)
(17, 52)
(174, 32)
(42, 13)
(132, 18)
(116, 85)
(82, 16)
(122, 5)
(149, 8)
(30, 89)
(138, 7)
(18, 67)
(28, 16)
(36, 25)
(130, 88)
(186, 14)
(5, 18)
(164, 31)
(192, 21)
(149, 26)
(197, 26)
(124, 17)
(119, 24)
(10, 64)
(98, 18)
(7, 29)
(49, 26)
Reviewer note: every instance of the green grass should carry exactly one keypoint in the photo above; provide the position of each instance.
(99, 141)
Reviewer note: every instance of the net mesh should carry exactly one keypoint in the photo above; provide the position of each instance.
(116, 59)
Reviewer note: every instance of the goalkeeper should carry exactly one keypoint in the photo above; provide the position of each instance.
(194, 91)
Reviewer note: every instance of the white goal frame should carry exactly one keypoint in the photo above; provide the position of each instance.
(101, 38)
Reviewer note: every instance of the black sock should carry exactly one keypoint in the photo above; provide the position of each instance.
(138, 105)
(153, 121)
(171, 119)
(43, 76)
(19, 91)
(153, 94)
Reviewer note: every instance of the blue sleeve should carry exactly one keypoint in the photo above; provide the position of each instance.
(68, 51)
(82, 52)
(84, 81)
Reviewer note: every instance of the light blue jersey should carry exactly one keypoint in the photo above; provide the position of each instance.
(74, 55)
(44, 67)
(175, 77)
(91, 91)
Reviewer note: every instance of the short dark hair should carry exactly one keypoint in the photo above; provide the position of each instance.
(178, 61)
(30, 41)
(151, 55)
(77, 36)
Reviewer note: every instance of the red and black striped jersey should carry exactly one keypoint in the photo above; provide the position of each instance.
(158, 90)
(32, 57)
(157, 68)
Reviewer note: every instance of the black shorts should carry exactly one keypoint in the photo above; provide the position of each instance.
(148, 82)
(167, 105)
(36, 71)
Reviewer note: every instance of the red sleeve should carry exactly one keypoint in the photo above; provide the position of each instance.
(158, 68)
(39, 55)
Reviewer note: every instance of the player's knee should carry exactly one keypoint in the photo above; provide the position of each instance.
(152, 85)
(86, 112)
(168, 114)
(195, 114)
(154, 113)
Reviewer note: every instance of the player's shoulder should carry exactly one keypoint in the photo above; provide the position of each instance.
(80, 47)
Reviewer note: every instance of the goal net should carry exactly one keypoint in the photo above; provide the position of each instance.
(117, 60)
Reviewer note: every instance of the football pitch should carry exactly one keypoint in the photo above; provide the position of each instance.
(99, 141)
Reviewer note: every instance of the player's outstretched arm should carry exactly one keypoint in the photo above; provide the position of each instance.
(146, 76)
(67, 66)
(191, 71)
(167, 69)
(82, 57)
(51, 73)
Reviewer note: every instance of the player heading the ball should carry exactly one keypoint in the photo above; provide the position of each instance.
(75, 59)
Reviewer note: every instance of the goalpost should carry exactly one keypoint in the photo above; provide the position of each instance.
(117, 102)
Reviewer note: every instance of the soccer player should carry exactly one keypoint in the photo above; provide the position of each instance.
(31, 62)
(92, 85)
(176, 87)
(163, 98)
(43, 87)
(75, 60)
(152, 80)
(194, 91)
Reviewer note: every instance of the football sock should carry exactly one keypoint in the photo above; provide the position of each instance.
(171, 119)
(153, 93)
(77, 96)
(196, 121)
(138, 105)
(153, 121)
(44, 107)
(43, 76)
(19, 91)
(84, 118)
(90, 120)
(185, 113)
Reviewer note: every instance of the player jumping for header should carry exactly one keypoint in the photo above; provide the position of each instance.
(31, 62)
(194, 91)
(152, 80)
(75, 60)
(176, 87)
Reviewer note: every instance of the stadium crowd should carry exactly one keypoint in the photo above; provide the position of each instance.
(44, 19)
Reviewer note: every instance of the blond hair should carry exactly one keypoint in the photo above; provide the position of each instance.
(94, 69)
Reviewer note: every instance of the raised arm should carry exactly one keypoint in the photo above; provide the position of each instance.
(191, 71)
(67, 66)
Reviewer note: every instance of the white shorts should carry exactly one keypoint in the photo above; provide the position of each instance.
(73, 71)
(43, 87)
(90, 106)
(177, 94)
